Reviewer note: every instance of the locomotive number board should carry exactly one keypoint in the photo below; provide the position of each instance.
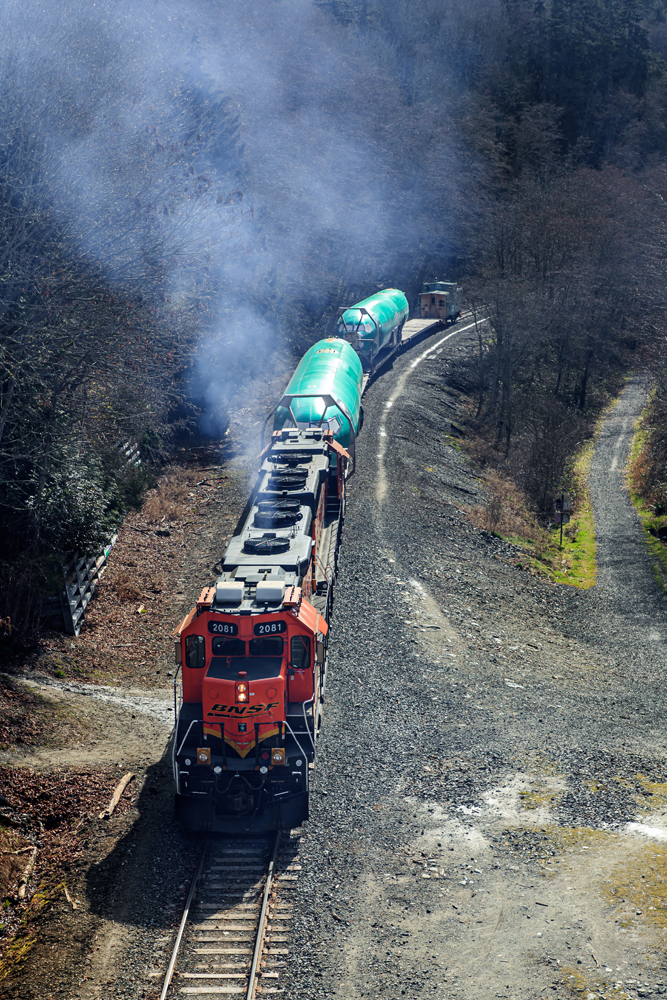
(223, 628)
(270, 628)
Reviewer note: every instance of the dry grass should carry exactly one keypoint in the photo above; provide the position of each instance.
(126, 589)
(31, 719)
(13, 859)
(640, 479)
(171, 499)
(506, 511)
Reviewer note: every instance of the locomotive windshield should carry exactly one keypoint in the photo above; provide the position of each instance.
(271, 645)
(255, 668)
(228, 647)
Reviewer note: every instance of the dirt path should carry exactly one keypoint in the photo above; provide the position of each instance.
(490, 813)
(631, 610)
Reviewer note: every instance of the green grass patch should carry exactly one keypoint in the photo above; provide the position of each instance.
(574, 564)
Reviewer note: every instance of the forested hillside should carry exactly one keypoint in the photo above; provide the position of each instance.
(187, 188)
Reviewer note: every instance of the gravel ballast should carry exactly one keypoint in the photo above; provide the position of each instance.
(488, 736)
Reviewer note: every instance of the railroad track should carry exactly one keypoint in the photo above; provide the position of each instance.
(233, 935)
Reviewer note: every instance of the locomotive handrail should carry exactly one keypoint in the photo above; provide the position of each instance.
(174, 762)
(325, 569)
(176, 685)
(311, 736)
(271, 414)
(187, 734)
(177, 715)
(287, 726)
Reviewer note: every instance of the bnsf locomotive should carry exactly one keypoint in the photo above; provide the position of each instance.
(253, 650)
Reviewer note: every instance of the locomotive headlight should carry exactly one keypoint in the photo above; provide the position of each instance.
(241, 692)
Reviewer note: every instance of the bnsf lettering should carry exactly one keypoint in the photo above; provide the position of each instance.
(231, 710)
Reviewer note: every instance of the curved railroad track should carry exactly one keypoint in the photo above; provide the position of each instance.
(233, 935)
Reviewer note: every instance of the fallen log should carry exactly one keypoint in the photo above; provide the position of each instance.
(115, 798)
(27, 872)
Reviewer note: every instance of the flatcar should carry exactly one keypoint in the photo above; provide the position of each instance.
(374, 325)
(253, 651)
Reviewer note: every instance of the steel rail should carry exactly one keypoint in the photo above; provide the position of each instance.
(184, 920)
(261, 927)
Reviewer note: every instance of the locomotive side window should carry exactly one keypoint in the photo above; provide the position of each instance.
(195, 651)
(300, 652)
(228, 647)
(270, 645)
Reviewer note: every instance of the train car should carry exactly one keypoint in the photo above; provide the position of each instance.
(441, 300)
(252, 652)
(374, 325)
(334, 367)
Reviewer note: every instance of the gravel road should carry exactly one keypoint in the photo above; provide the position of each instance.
(489, 809)
(629, 610)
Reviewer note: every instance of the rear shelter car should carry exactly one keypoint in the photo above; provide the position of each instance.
(441, 300)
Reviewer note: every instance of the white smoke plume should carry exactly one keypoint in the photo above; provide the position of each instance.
(257, 149)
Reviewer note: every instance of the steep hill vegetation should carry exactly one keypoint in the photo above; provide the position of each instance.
(185, 189)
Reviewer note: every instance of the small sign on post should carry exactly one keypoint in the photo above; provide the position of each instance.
(562, 509)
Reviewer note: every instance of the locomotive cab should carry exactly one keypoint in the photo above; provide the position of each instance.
(251, 688)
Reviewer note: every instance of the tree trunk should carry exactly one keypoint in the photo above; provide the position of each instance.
(584, 381)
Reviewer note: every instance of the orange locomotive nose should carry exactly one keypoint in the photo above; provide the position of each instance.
(231, 695)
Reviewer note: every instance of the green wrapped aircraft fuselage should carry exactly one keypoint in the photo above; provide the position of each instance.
(325, 390)
(374, 324)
